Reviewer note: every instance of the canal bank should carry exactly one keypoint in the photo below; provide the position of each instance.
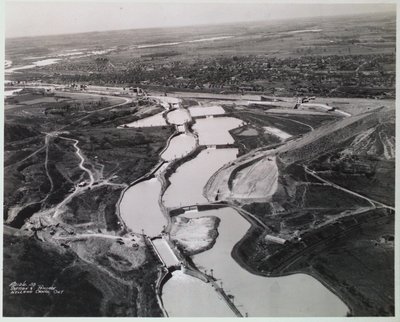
(177, 291)
(292, 295)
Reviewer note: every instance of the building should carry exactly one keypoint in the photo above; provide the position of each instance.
(275, 239)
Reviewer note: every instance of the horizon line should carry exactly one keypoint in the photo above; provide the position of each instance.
(201, 25)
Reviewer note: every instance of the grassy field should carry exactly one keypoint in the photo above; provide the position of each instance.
(31, 158)
(41, 171)
(122, 151)
(40, 114)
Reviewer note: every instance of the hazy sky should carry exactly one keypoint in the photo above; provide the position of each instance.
(55, 17)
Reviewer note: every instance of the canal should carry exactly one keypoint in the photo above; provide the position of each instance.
(185, 295)
(293, 295)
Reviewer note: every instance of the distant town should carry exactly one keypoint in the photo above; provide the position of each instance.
(226, 170)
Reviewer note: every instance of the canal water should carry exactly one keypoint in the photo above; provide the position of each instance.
(179, 116)
(187, 296)
(183, 295)
(139, 208)
(155, 120)
(215, 131)
(196, 111)
(188, 181)
(293, 295)
(179, 147)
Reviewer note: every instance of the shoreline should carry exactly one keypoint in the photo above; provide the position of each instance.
(235, 253)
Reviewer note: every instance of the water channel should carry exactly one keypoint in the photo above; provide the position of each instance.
(215, 131)
(293, 295)
(189, 179)
(184, 295)
(154, 120)
(206, 110)
(179, 147)
(139, 208)
(179, 116)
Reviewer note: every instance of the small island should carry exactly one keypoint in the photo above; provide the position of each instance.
(195, 235)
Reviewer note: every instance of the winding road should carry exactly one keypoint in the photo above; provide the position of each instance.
(81, 164)
(78, 189)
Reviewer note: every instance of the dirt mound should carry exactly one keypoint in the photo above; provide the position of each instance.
(196, 234)
(328, 138)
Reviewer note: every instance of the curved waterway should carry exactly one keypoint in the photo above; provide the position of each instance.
(184, 295)
(179, 147)
(293, 295)
(155, 120)
(187, 296)
(178, 117)
(206, 110)
(139, 208)
(215, 131)
(188, 181)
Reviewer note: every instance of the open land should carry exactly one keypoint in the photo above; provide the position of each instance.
(67, 165)
(314, 179)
